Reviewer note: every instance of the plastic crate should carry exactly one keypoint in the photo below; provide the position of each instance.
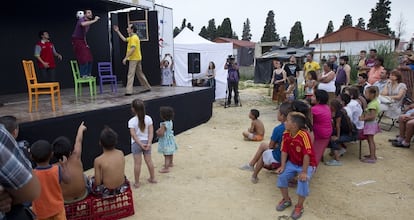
(81, 210)
(113, 207)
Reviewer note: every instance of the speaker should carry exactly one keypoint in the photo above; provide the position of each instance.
(193, 63)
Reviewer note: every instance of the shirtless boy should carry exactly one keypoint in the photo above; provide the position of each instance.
(109, 166)
(76, 189)
(256, 130)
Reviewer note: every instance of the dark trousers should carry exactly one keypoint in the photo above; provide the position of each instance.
(233, 86)
(47, 75)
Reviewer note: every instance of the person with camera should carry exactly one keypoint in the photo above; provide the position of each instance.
(232, 79)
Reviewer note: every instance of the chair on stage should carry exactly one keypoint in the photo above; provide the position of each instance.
(91, 80)
(35, 89)
(106, 75)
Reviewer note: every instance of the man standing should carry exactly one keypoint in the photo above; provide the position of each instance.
(362, 67)
(310, 65)
(133, 55)
(370, 62)
(45, 52)
(232, 79)
(80, 46)
(343, 74)
(292, 69)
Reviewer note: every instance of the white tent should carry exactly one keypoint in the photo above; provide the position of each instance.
(189, 42)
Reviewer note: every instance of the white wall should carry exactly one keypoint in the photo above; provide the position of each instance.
(350, 48)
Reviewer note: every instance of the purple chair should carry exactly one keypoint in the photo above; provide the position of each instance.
(106, 75)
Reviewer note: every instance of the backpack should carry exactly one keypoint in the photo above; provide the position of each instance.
(233, 75)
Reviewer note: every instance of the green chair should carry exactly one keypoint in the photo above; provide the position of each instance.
(80, 80)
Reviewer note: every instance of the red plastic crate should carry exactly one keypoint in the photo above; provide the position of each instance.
(81, 210)
(113, 207)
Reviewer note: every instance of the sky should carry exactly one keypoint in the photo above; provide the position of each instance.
(314, 15)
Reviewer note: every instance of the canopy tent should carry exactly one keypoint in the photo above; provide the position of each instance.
(189, 42)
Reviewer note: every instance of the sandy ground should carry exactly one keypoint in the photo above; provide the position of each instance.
(206, 183)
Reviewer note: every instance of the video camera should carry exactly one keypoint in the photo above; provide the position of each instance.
(230, 58)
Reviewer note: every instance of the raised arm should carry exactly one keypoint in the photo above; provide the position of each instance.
(116, 29)
(77, 151)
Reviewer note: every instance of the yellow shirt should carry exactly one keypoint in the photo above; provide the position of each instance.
(133, 41)
(361, 64)
(310, 66)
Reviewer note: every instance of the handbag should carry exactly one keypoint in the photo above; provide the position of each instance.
(385, 99)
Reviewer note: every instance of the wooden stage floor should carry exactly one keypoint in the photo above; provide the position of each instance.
(18, 104)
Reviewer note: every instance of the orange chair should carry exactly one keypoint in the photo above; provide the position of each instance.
(35, 89)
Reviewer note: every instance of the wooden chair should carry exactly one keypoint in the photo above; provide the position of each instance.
(35, 89)
(106, 75)
(78, 80)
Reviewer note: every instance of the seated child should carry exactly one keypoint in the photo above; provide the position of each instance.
(109, 167)
(76, 190)
(297, 159)
(49, 205)
(256, 130)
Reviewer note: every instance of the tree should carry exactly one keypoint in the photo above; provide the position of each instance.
(183, 24)
(400, 24)
(380, 17)
(347, 21)
(330, 28)
(235, 36)
(317, 36)
(189, 26)
(203, 32)
(296, 35)
(269, 33)
(361, 23)
(246, 35)
(211, 30)
(176, 31)
(225, 30)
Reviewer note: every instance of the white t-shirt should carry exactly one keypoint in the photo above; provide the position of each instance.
(134, 122)
(354, 110)
(329, 86)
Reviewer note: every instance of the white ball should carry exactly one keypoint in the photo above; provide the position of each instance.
(79, 14)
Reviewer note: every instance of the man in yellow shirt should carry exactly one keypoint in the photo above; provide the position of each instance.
(310, 65)
(133, 55)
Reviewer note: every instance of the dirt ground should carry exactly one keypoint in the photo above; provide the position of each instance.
(205, 182)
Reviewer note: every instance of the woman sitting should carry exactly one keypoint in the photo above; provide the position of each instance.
(393, 95)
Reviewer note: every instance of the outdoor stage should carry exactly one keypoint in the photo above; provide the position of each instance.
(192, 105)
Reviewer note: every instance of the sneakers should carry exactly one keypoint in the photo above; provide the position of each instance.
(342, 151)
(247, 167)
(401, 144)
(297, 212)
(333, 163)
(283, 204)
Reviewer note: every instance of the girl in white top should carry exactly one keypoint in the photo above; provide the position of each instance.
(327, 80)
(142, 132)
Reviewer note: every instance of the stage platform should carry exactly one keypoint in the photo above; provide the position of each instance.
(192, 105)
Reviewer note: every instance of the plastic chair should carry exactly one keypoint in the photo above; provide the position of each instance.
(106, 75)
(35, 89)
(91, 80)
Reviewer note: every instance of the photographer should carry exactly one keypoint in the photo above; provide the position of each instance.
(232, 79)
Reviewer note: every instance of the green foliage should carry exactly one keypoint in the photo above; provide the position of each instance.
(361, 23)
(176, 31)
(353, 62)
(269, 33)
(380, 17)
(203, 32)
(211, 30)
(347, 21)
(225, 30)
(246, 35)
(390, 58)
(330, 28)
(296, 35)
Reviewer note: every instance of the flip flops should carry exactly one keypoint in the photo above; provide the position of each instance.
(368, 160)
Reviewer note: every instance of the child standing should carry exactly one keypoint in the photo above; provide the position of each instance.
(278, 81)
(290, 91)
(310, 85)
(256, 130)
(371, 126)
(142, 130)
(166, 142)
(167, 76)
(49, 205)
(296, 146)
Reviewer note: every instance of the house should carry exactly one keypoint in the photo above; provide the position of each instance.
(350, 41)
(242, 49)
